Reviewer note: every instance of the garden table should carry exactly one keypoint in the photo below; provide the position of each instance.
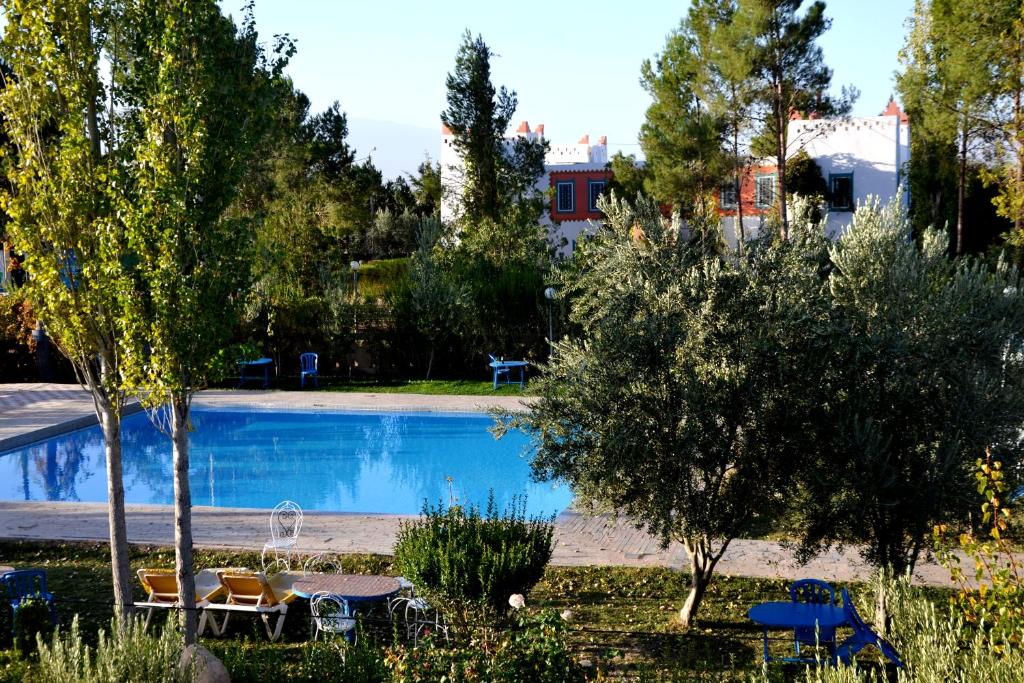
(351, 587)
(507, 366)
(4, 569)
(263, 364)
(793, 615)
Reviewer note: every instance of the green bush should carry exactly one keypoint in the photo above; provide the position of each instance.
(468, 564)
(32, 620)
(536, 651)
(129, 654)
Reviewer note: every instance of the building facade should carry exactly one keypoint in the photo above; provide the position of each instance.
(859, 157)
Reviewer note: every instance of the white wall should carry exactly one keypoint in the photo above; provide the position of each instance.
(874, 149)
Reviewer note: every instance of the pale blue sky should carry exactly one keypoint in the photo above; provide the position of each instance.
(575, 65)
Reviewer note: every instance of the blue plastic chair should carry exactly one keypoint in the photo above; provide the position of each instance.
(817, 592)
(22, 584)
(308, 363)
(862, 636)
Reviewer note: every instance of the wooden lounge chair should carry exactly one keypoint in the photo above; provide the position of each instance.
(254, 593)
(161, 586)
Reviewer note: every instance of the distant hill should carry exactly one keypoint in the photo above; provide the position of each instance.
(396, 148)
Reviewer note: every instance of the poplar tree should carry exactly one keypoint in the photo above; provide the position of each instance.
(197, 100)
(63, 178)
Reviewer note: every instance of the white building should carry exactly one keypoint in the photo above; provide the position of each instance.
(577, 173)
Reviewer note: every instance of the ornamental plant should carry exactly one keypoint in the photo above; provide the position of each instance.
(468, 564)
(992, 597)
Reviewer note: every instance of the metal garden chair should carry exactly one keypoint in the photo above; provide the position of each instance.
(816, 592)
(285, 524)
(309, 367)
(27, 584)
(418, 615)
(862, 636)
(331, 614)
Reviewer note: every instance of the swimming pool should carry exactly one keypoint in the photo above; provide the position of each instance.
(328, 461)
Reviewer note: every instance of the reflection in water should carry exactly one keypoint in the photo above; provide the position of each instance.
(324, 461)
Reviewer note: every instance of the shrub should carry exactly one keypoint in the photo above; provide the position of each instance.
(935, 644)
(992, 599)
(32, 620)
(129, 654)
(536, 651)
(468, 565)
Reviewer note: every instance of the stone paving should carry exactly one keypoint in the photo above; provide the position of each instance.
(32, 411)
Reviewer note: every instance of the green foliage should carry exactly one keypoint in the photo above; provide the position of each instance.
(804, 176)
(628, 178)
(934, 645)
(478, 115)
(682, 140)
(129, 654)
(689, 398)
(924, 374)
(468, 564)
(31, 622)
(536, 650)
(962, 113)
(992, 599)
(312, 661)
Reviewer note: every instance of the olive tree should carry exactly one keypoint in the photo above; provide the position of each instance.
(927, 374)
(689, 398)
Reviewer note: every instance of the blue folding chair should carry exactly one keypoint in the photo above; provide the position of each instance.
(25, 584)
(308, 367)
(862, 636)
(817, 592)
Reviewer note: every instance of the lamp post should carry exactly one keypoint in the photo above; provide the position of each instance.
(355, 265)
(549, 294)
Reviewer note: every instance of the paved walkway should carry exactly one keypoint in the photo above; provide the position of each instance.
(30, 411)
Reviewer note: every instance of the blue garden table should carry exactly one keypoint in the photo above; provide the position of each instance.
(259, 364)
(505, 367)
(793, 615)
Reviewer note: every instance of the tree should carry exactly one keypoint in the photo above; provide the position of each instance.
(955, 103)
(681, 138)
(804, 176)
(196, 99)
(62, 181)
(791, 73)
(437, 303)
(727, 83)
(478, 116)
(426, 188)
(690, 392)
(628, 176)
(927, 374)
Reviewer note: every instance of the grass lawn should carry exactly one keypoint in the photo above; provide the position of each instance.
(451, 387)
(624, 619)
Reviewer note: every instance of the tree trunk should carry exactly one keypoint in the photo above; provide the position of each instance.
(183, 517)
(781, 120)
(120, 570)
(430, 362)
(961, 185)
(702, 566)
(110, 423)
(738, 181)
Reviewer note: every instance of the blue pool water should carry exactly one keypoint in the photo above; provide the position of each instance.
(339, 462)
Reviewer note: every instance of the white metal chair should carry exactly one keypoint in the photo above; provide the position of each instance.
(285, 524)
(321, 564)
(331, 614)
(417, 614)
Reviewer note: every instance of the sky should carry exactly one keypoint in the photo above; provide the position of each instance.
(574, 65)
